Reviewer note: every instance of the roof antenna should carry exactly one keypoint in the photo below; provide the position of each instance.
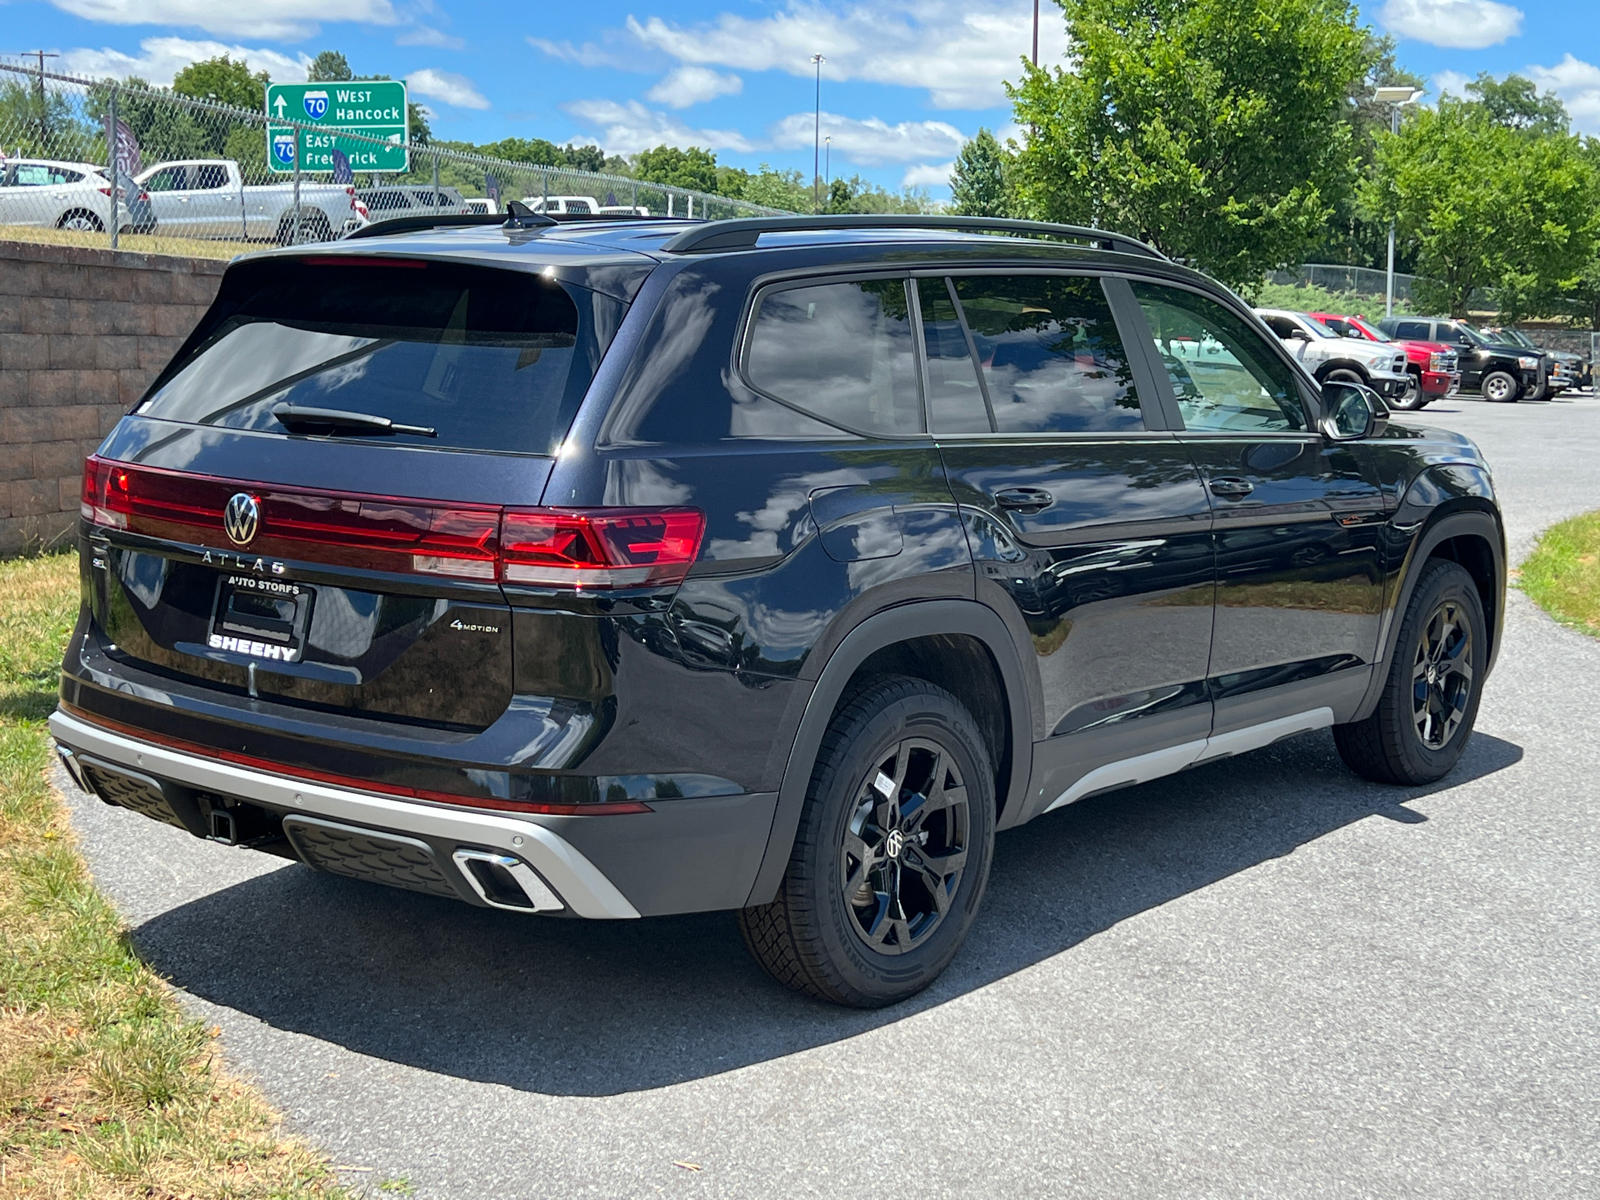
(520, 216)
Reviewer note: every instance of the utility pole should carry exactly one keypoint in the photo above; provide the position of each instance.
(1036, 32)
(44, 127)
(816, 136)
(827, 163)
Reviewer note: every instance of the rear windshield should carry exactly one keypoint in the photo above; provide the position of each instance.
(486, 359)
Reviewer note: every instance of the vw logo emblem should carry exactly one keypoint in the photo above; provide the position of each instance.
(241, 518)
(894, 843)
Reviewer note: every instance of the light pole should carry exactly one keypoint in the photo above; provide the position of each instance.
(1036, 32)
(1394, 97)
(816, 135)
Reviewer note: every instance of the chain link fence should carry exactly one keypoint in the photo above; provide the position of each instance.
(1361, 281)
(97, 163)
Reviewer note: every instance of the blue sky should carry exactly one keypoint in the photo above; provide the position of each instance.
(903, 84)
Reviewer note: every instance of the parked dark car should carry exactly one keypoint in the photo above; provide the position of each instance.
(1566, 369)
(1499, 371)
(625, 569)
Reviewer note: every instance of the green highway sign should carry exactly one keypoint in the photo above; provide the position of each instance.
(375, 108)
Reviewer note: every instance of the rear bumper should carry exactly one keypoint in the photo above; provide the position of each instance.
(686, 855)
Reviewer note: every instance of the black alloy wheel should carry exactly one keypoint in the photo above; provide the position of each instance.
(905, 849)
(892, 853)
(1441, 675)
(1429, 703)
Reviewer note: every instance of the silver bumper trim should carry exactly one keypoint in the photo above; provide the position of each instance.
(576, 880)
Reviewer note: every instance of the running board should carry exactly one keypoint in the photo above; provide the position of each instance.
(1145, 767)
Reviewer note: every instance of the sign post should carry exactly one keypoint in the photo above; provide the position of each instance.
(373, 108)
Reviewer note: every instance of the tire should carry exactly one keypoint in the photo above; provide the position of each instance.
(314, 227)
(1412, 398)
(1429, 703)
(1499, 387)
(80, 220)
(841, 941)
(1344, 375)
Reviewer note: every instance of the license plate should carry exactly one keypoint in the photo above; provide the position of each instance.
(261, 618)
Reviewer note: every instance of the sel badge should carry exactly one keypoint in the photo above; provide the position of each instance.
(316, 105)
(283, 148)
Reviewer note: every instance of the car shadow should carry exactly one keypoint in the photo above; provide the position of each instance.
(569, 1007)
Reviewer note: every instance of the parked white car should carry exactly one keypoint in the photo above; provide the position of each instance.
(395, 200)
(66, 195)
(208, 198)
(481, 205)
(562, 204)
(1334, 359)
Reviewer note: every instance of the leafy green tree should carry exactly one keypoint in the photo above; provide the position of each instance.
(1212, 128)
(585, 158)
(1486, 207)
(223, 81)
(693, 168)
(329, 67)
(45, 124)
(1517, 104)
(784, 190)
(857, 195)
(1353, 234)
(978, 185)
(527, 150)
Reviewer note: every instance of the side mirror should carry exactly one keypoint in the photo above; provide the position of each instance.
(1299, 335)
(1351, 411)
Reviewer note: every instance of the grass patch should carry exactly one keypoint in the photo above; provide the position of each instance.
(107, 1091)
(145, 243)
(1562, 575)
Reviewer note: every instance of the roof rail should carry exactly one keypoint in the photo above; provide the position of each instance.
(742, 233)
(444, 221)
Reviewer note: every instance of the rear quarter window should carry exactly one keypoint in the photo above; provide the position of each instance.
(487, 359)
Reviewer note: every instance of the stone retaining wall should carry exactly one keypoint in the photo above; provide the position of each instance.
(82, 334)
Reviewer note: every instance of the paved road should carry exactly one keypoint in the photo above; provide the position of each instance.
(1262, 978)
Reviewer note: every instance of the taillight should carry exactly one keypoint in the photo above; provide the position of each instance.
(105, 191)
(580, 549)
(599, 548)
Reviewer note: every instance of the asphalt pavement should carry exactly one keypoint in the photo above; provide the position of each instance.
(1263, 977)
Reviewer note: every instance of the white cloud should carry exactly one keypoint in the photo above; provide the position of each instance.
(160, 58)
(447, 87)
(287, 20)
(873, 141)
(958, 50)
(1455, 24)
(1452, 83)
(588, 54)
(1578, 85)
(928, 175)
(694, 85)
(422, 35)
(631, 127)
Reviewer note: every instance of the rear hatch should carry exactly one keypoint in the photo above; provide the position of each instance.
(307, 506)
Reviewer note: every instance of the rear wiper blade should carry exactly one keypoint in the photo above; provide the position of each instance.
(291, 415)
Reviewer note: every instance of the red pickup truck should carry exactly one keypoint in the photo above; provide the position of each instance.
(1432, 365)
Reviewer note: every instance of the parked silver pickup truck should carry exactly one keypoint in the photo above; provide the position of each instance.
(208, 198)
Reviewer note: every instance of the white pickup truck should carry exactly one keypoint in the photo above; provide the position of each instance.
(208, 198)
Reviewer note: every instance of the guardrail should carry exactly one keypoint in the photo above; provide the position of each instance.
(196, 178)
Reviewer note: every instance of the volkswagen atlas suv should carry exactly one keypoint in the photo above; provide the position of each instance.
(624, 568)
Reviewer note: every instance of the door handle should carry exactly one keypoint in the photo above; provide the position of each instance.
(1231, 486)
(1024, 499)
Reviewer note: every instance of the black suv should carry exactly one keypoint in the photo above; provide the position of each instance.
(627, 568)
(1501, 371)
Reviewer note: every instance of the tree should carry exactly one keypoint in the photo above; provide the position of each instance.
(585, 158)
(329, 67)
(784, 190)
(857, 195)
(223, 81)
(1517, 105)
(978, 185)
(1486, 206)
(694, 169)
(1212, 128)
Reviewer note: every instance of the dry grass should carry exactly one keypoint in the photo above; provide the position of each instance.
(144, 243)
(106, 1090)
(1562, 575)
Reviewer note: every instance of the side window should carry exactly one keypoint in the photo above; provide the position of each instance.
(956, 403)
(210, 176)
(1225, 375)
(1281, 326)
(30, 175)
(168, 179)
(1051, 357)
(839, 351)
(1413, 329)
(1454, 333)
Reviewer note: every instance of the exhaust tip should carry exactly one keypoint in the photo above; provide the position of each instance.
(505, 881)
